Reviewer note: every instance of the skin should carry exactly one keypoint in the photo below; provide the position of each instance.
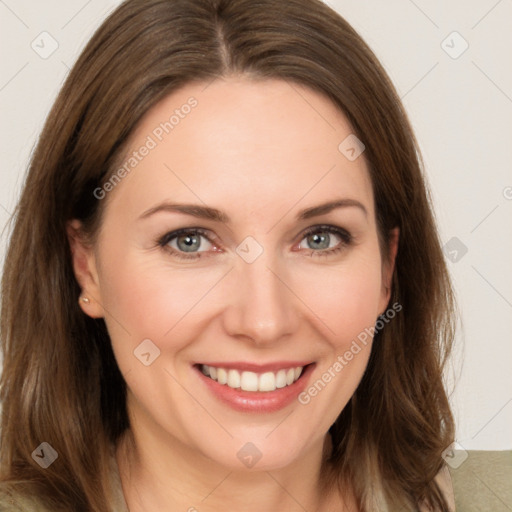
(260, 152)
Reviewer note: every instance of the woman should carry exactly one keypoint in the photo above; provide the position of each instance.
(224, 285)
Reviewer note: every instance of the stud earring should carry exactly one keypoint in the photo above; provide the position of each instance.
(85, 300)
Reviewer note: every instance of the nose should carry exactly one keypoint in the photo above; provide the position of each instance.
(261, 306)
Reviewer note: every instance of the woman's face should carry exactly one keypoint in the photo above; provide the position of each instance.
(263, 279)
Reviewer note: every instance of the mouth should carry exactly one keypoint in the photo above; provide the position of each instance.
(248, 387)
(253, 381)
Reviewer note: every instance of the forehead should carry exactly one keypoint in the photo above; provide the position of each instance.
(261, 146)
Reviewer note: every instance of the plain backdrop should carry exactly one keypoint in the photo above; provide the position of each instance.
(450, 62)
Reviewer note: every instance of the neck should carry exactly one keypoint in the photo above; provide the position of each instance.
(167, 475)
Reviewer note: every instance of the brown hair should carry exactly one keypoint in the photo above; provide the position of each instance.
(60, 381)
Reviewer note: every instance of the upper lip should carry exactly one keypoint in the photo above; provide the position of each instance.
(256, 368)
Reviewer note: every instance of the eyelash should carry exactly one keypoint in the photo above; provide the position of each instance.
(346, 240)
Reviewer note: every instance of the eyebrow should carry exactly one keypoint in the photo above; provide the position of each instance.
(209, 213)
(324, 208)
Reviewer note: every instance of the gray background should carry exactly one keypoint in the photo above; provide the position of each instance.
(460, 103)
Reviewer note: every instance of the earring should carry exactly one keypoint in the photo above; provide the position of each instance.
(85, 300)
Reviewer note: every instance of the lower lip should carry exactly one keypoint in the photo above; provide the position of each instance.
(257, 401)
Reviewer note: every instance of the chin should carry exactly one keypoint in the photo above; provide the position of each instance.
(263, 451)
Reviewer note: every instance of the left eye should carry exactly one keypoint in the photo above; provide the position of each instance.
(324, 238)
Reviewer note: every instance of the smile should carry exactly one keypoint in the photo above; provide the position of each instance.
(252, 381)
(249, 387)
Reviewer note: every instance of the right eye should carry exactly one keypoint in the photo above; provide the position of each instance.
(187, 243)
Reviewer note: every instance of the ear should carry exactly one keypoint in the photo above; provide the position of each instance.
(84, 266)
(388, 268)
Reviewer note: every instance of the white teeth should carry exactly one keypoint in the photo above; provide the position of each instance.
(233, 379)
(251, 381)
(222, 375)
(267, 382)
(281, 379)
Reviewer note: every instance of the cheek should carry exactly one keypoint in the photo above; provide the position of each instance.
(345, 297)
(146, 299)
(348, 307)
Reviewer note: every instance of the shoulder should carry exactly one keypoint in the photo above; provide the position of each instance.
(14, 502)
(481, 480)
